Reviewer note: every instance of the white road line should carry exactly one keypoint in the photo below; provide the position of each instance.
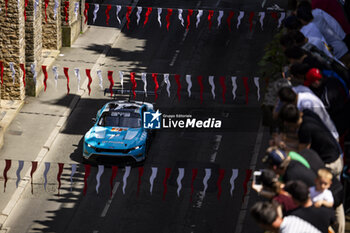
(109, 202)
(243, 211)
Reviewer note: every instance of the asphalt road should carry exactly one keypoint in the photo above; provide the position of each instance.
(238, 145)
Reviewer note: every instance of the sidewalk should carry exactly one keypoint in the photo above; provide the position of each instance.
(29, 127)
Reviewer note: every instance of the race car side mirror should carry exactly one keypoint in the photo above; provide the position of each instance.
(93, 120)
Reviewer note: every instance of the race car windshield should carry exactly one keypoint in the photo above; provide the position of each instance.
(120, 119)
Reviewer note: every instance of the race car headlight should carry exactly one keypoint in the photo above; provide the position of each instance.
(88, 145)
(137, 147)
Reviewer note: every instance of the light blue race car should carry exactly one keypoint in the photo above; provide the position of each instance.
(118, 135)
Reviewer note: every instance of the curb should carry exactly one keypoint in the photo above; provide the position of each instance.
(60, 124)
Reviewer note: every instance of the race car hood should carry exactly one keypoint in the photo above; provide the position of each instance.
(114, 137)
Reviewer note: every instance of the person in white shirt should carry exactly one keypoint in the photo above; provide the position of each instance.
(320, 193)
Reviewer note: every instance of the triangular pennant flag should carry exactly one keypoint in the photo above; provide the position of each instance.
(179, 179)
(212, 84)
(152, 177)
(117, 13)
(248, 174)
(281, 18)
(221, 14)
(144, 80)
(121, 75)
(194, 175)
(34, 167)
(200, 82)
(234, 86)
(114, 174)
(97, 7)
(180, 17)
(154, 76)
(125, 177)
(256, 82)
(218, 183)
(148, 12)
(47, 168)
(111, 82)
(100, 171)
(55, 74)
(85, 12)
(133, 82)
(223, 86)
(60, 170)
(141, 170)
(240, 16)
(65, 71)
(261, 19)
(167, 174)
(86, 176)
(88, 74)
(6, 169)
(128, 12)
(99, 75)
(77, 74)
(24, 74)
(18, 172)
(24, 11)
(189, 14)
(170, 12)
(167, 82)
(33, 70)
(210, 18)
(73, 171)
(66, 9)
(138, 14)
(177, 79)
(45, 76)
(232, 180)
(199, 15)
(189, 84)
(108, 9)
(251, 16)
(159, 10)
(205, 179)
(13, 72)
(229, 18)
(46, 5)
(246, 86)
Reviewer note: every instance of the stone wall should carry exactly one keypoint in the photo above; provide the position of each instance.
(52, 34)
(72, 27)
(12, 45)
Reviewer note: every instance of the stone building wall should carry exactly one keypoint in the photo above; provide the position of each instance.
(72, 28)
(52, 32)
(12, 46)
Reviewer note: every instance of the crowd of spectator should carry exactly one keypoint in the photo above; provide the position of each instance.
(302, 182)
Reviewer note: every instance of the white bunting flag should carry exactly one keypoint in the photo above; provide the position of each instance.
(97, 7)
(232, 180)
(212, 84)
(18, 3)
(281, 18)
(55, 74)
(36, 4)
(234, 86)
(118, 10)
(18, 172)
(159, 17)
(138, 14)
(55, 7)
(240, 16)
(12, 68)
(257, 84)
(205, 179)
(77, 74)
(167, 82)
(76, 8)
(181, 18)
(32, 69)
(47, 168)
(125, 177)
(74, 169)
(100, 171)
(152, 177)
(99, 75)
(178, 180)
(199, 15)
(144, 80)
(189, 84)
(221, 14)
(121, 75)
(261, 19)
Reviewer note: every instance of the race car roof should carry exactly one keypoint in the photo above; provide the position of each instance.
(125, 105)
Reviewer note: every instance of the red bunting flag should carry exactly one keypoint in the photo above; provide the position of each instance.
(170, 12)
(45, 76)
(86, 11)
(210, 17)
(46, 5)
(149, 10)
(190, 12)
(6, 2)
(128, 12)
(229, 18)
(248, 174)
(34, 167)
(223, 86)
(88, 74)
(167, 174)
(111, 82)
(177, 79)
(218, 183)
(133, 82)
(154, 76)
(60, 170)
(200, 82)
(251, 16)
(65, 71)
(194, 174)
(24, 11)
(246, 86)
(109, 7)
(114, 174)
(274, 15)
(141, 170)
(66, 9)
(2, 72)
(86, 176)
(24, 74)
(7, 167)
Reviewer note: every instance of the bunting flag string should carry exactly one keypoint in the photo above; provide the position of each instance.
(167, 82)
(98, 176)
(117, 13)
(96, 9)
(234, 86)
(218, 183)
(180, 17)
(85, 12)
(65, 70)
(73, 171)
(24, 10)
(194, 175)
(210, 16)
(148, 12)
(55, 7)
(159, 11)
(232, 180)
(201, 88)
(46, 171)
(2, 72)
(240, 16)
(141, 170)
(46, 5)
(32, 171)
(154, 76)
(257, 84)
(152, 177)
(205, 180)
(179, 179)
(248, 173)
(55, 74)
(223, 86)
(86, 176)
(66, 8)
(33, 70)
(138, 14)
(99, 75)
(251, 16)
(144, 80)
(127, 16)
(167, 18)
(18, 172)
(111, 180)
(24, 73)
(45, 76)
(60, 170)
(108, 9)
(7, 168)
(177, 79)
(189, 84)
(199, 15)
(221, 14)
(212, 84)
(261, 19)
(110, 79)
(189, 14)
(88, 75)
(13, 72)
(77, 74)
(229, 18)
(165, 185)
(125, 177)
(133, 82)
(121, 75)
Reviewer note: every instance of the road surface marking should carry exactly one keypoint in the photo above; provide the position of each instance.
(109, 202)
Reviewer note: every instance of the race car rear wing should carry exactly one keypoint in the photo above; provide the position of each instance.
(118, 92)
